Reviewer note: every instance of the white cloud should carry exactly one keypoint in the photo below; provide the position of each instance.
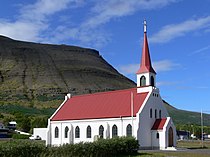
(106, 10)
(22, 30)
(172, 31)
(43, 8)
(200, 50)
(34, 22)
(159, 66)
(165, 65)
(129, 69)
(165, 83)
(102, 12)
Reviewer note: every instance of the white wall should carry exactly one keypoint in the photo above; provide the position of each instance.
(170, 124)
(121, 124)
(145, 122)
(41, 132)
(147, 76)
(158, 142)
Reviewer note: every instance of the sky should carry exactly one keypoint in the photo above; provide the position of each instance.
(178, 34)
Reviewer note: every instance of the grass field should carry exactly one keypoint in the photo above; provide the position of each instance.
(185, 149)
(194, 144)
(173, 154)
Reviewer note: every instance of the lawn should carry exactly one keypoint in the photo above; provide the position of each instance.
(185, 149)
(194, 144)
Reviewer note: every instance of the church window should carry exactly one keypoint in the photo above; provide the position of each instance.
(101, 131)
(160, 114)
(114, 131)
(77, 132)
(150, 113)
(129, 130)
(155, 113)
(152, 81)
(157, 135)
(88, 132)
(143, 81)
(66, 131)
(56, 132)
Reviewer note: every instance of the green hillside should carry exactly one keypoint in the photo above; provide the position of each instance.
(186, 117)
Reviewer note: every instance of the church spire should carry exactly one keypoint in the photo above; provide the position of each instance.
(146, 65)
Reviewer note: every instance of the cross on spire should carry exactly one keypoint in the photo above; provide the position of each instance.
(145, 26)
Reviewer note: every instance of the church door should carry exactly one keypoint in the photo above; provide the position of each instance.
(170, 137)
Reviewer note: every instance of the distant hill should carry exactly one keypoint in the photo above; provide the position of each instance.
(186, 117)
(35, 77)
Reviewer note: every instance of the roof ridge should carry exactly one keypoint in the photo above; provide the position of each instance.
(107, 92)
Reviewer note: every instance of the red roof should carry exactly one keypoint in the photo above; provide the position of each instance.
(159, 124)
(146, 65)
(112, 104)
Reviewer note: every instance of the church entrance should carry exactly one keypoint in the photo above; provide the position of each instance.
(170, 137)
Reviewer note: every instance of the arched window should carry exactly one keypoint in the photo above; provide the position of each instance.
(160, 114)
(152, 80)
(150, 113)
(155, 113)
(114, 131)
(157, 135)
(66, 132)
(56, 132)
(101, 131)
(88, 135)
(143, 81)
(77, 132)
(129, 130)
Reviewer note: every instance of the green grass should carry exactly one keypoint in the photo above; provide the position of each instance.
(194, 144)
(173, 154)
(191, 145)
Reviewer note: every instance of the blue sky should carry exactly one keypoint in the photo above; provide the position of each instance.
(178, 34)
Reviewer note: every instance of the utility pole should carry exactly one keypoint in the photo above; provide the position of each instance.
(202, 128)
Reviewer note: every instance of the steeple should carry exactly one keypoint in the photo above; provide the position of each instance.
(146, 75)
(146, 65)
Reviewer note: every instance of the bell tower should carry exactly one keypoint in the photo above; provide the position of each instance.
(146, 75)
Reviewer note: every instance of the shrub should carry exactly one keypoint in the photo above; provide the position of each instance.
(21, 148)
(20, 136)
(101, 148)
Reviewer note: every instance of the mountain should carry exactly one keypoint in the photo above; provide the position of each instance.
(35, 77)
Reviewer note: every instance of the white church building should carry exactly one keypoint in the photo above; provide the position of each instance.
(137, 112)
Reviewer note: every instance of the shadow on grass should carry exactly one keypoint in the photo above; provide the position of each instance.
(144, 154)
(198, 147)
(136, 155)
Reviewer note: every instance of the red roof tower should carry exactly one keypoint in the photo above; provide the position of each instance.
(146, 65)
